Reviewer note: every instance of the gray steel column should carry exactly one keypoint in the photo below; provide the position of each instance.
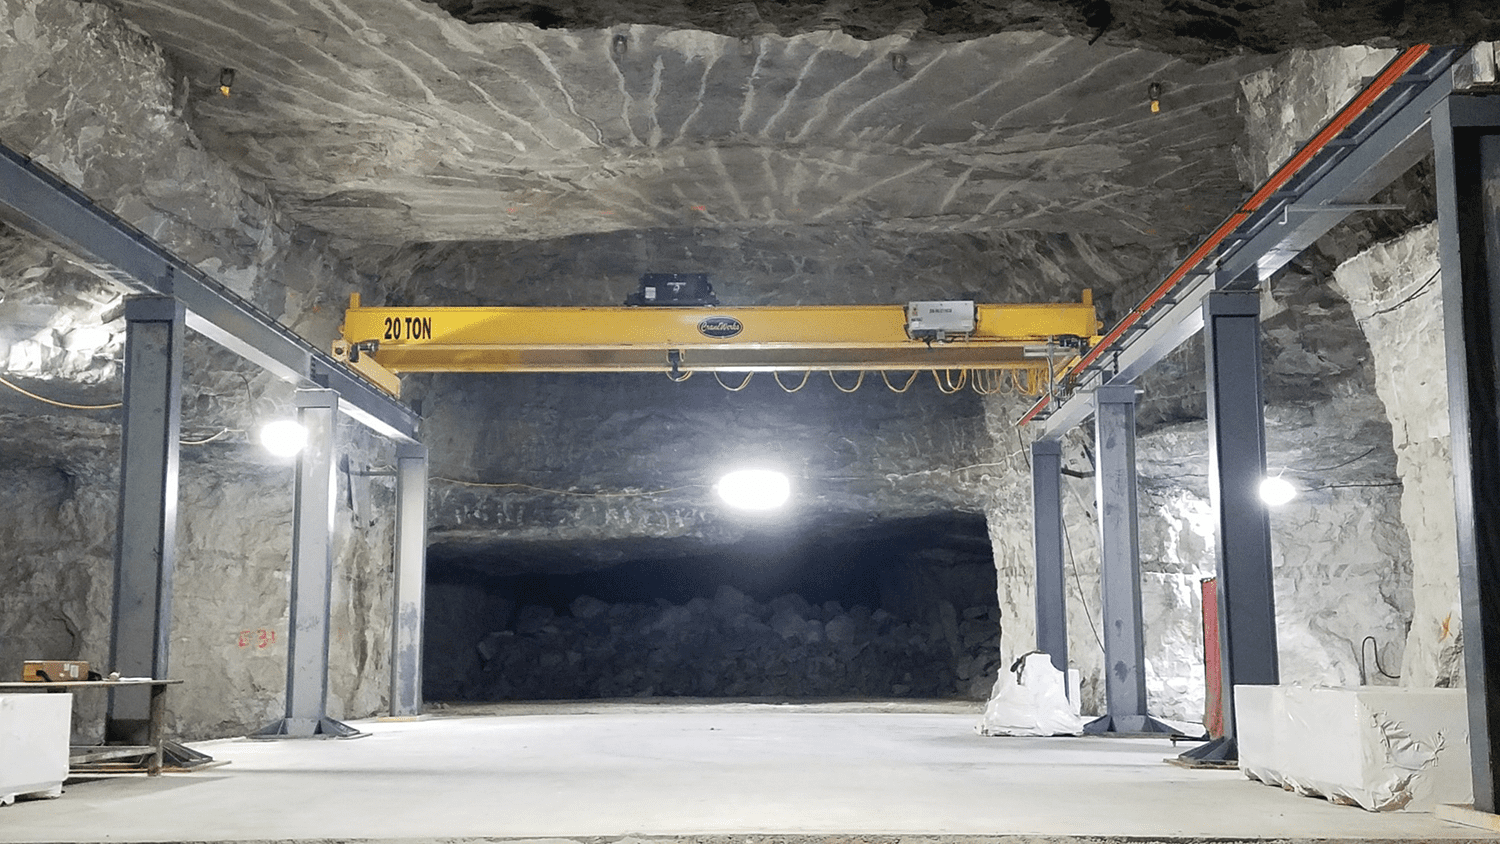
(1466, 136)
(1120, 566)
(312, 578)
(411, 576)
(1047, 546)
(146, 537)
(1236, 466)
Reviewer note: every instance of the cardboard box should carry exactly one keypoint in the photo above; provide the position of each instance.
(54, 670)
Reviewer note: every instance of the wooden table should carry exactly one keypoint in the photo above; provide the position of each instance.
(155, 734)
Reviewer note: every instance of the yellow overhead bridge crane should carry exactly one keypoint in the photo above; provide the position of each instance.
(1033, 341)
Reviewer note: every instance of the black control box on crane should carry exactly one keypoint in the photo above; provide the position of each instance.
(681, 290)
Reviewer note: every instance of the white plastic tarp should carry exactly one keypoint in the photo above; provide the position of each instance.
(1031, 699)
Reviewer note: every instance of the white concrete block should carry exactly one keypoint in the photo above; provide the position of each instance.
(1380, 748)
(34, 730)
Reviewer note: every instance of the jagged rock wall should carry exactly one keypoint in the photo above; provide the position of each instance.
(91, 98)
(393, 122)
(1344, 566)
(1398, 299)
(1176, 553)
(1286, 103)
(1200, 29)
(574, 462)
(735, 646)
(1342, 573)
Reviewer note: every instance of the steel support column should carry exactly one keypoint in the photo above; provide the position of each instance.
(411, 576)
(1236, 466)
(1047, 546)
(312, 578)
(1120, 566)
(146, 537)
(1466, 135)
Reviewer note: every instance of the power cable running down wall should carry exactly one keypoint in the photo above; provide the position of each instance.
(1068, 543)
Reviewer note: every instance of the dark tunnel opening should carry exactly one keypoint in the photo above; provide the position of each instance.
(892, 609)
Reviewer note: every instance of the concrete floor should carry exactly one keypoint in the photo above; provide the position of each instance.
(643, 770)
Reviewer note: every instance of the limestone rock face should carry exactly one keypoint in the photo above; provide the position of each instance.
(1398, 300)
(784, 648)
(1285, 104)
(575, 462)
(811, 153)
(91, 98)
(395, 122)
(1195, 29)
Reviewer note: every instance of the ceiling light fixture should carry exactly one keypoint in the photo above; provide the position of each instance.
(283, 438)
(754, 489)
(1277, 491)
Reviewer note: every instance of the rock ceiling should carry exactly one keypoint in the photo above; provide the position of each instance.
(390, 121)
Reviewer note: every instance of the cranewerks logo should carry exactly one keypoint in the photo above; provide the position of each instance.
(720, 327)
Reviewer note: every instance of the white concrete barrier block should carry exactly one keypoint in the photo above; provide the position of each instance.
(1380, 748)
(34, 730)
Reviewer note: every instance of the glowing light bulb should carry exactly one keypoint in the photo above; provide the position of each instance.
(1277, 491)
(754, 489)
(283, 438)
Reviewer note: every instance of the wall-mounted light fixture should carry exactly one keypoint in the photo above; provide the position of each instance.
(283, 438)
(1154, 92)
(1277, 491)
(619, 45)
(898, 62)
(754, 489)
(226, 80)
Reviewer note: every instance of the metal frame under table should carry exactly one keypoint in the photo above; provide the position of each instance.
(155, 734)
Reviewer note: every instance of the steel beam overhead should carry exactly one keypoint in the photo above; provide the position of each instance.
(1120, 566)
(146, 541)
(1047, 546)
(35, 201)
(411, 577)
(1038, 339)
(312, 578)
(1466, 134)
(1337, 179)
(1236, 466)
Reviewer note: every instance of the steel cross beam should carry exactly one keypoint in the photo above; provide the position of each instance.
(1337, 178)
(735, 339)
(1466, 132)
(35, 201)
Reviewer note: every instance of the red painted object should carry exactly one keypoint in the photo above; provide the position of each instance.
(1213, 675)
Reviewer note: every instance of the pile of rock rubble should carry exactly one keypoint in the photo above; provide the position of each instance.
(735, 646)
